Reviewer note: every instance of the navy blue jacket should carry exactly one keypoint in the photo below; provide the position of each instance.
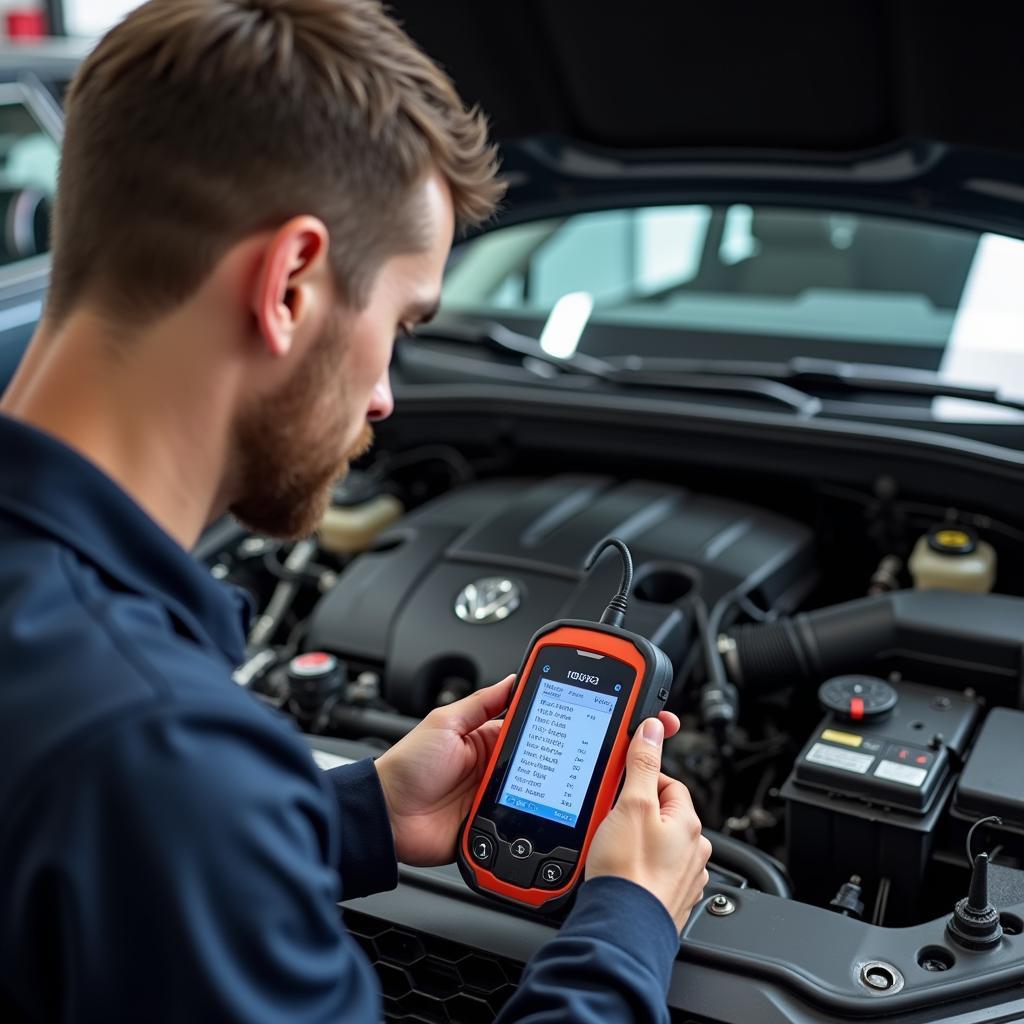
(170, 851)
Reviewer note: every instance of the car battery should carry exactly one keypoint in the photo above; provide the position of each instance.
(869, 787)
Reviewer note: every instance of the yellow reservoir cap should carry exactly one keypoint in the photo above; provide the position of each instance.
(951, 558)
(848, 739)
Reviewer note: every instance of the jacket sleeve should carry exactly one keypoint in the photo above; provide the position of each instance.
(368, 860)
(185, 869)
(610, 963)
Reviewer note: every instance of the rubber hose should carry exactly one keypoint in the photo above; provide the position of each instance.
(760, 870)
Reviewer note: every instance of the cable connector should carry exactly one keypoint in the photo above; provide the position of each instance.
(975, 922)
(617, 607)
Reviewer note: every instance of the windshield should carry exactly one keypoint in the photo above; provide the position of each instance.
(748, 282)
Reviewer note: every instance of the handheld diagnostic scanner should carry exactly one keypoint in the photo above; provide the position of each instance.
(557, 765)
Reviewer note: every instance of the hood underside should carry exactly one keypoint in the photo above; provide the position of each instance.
(823, 79)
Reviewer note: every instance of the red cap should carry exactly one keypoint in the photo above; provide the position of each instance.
(315, 663)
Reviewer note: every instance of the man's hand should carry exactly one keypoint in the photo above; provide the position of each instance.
(652, 835)
(429, 778)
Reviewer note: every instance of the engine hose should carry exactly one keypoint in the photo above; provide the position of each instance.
(945, 637)
(760, 870)
(283, 598)
(360, 723)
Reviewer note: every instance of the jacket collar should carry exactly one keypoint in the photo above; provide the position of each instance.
(49, 486)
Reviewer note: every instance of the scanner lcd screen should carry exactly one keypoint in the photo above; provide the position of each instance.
(559, 747)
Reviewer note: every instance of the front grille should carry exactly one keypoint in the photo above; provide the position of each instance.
(428, 980)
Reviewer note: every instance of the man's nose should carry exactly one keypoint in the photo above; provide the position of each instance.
(382, 402)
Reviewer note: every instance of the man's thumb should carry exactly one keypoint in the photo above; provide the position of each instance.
(643, 762)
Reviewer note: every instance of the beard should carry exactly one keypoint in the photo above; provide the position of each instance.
(287, 447)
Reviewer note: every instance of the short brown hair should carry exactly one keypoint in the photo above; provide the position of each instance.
(196, 123)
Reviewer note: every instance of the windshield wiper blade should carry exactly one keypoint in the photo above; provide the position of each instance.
(897, 380)
(744, 385)
(804, 371)
(677, 377)
(499, 338)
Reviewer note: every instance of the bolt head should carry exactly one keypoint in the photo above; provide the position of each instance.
(721, 906)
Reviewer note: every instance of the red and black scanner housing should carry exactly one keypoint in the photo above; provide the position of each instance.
(534, 862)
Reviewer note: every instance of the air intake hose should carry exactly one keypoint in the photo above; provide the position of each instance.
(938, 636)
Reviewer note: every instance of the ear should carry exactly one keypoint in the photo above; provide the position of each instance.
(284, 292)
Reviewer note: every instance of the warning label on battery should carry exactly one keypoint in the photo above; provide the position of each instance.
(904, 773)
(837, 757)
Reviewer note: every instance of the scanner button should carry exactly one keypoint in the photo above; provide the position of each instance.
(663, 695)
(550, 875)
(521, 848)
(481, 847)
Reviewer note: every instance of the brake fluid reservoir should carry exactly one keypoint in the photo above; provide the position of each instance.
(953, 558)
(346, 530)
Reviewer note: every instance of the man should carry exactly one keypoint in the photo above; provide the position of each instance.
(256, 195)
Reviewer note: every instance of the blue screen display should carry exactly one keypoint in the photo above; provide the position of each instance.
(554, 762)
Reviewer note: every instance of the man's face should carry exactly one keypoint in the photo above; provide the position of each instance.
(292, 446)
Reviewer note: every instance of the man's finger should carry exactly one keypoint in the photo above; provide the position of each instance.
(675, 799)
(663, 781)
(643, 760)
(671, 723)
(471, 712)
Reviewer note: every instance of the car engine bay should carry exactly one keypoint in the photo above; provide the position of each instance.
(849, 677)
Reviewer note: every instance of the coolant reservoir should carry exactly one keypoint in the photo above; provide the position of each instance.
(953, 558)
(348, 529)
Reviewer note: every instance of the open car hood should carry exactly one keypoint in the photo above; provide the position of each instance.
(883, 102)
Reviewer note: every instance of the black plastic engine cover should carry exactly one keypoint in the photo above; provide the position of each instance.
(395, 606)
